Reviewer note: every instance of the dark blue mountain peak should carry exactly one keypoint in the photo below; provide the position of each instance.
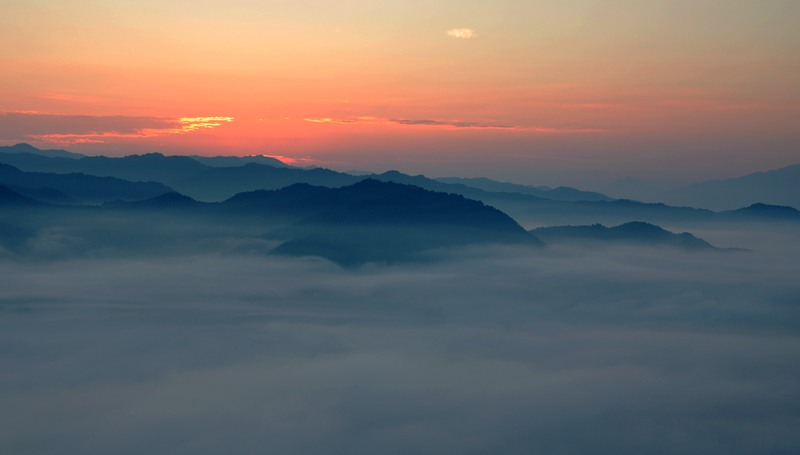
(637, 232)
(759, 206)
(173, 198)
(9, 197)
(24, 147)
(766, 211)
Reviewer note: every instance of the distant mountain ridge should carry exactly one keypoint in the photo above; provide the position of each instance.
(234, 161)
(11, 198)
(219, 182)
(561, 193)
(375, 221)
(27, 148)
(773, 187)
(765, 212)
(635, 232)
(86, 188)
(369, 221)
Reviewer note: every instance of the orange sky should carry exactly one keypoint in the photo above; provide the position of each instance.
(531, 91)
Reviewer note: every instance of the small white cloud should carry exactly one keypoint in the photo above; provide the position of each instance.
(462, 33)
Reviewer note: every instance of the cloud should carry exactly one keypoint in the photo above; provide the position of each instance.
(493, 352)
(462, 33)
(73, 129)
(370, 120)
(347, 121)
(294, 161)
(457, 124)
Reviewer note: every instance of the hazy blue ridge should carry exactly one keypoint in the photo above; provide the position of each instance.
(373, 221)
(52, 153)
(561, 193)
(9, 197)
(774, 187)
(766, 212)
(633, 232)
(83, 187)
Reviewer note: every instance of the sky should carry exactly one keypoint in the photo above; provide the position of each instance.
(574, 92)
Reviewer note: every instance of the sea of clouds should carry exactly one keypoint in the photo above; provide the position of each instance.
(492, 350)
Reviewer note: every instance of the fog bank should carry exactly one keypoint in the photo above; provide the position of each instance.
(625, 350)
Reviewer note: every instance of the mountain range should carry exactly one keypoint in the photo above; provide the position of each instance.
(73, 187)
(187, 175)
(774, 187)
(369, 221)
(154, 204)
(635, 232)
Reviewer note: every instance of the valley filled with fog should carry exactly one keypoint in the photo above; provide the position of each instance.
(520, 227)
(486, 349)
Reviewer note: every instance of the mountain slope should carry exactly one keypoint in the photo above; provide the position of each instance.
(27, 148)
(234, 161)
(220, 183)
(775, 187)
(764, 212)
(374, 221)
(86, 188)
(635, 232)
(11, 198)
(562, 193)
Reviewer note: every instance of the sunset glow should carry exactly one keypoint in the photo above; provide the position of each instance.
(390, 84)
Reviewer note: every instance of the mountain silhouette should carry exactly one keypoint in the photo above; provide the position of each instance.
(46, 195)
(778, 187)
(86, 188)
(374, 221)
(774, 187)
(150, 167)
(531, 205)
(166, 201)
(561, 193)
(765, 212)
(11, 198)
(235, 161)
(220, 183)
(216, 180)
(27, 148)
(368, 221)
(635, 232)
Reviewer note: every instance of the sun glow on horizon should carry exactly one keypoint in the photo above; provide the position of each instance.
(580, 81)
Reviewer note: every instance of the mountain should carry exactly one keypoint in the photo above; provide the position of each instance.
(562, 193)
(635, 232)
(368, 221)
(220, 183)
(150, 167)
(10, 198)
(532, 209)
(86, 188)
(166, 201)
(374, 221)
(632, 188)
(27, 148)
(46, 195)
(774, 187)
(529, 205)
(764, 212)
(234, 161)
(218, 180)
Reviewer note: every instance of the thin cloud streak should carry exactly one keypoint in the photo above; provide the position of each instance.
(459, 124)
(82, 129)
